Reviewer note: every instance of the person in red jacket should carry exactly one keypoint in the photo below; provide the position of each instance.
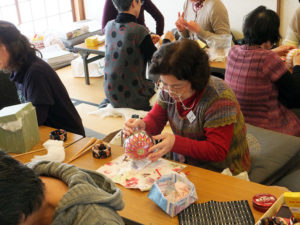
(208, 126)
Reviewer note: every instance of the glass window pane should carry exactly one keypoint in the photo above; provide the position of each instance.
(54, 22)
(27, 29)
(52, 7)
(40, 25)
(25, 12)
(65, 5)
(10, 14)
(38, 9)
(6, 2)
(67, 18)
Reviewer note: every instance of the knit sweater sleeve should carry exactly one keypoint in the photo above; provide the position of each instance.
(215, 148)
(156, 15)
(219, 20)
(109, 13)
(156, 120)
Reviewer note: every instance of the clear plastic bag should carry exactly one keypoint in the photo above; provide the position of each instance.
(219, 46)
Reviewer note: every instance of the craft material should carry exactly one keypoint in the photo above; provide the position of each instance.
(290, 57)
(272, 221)
(212, 212)
(85, 149)
(55, 152)
(123, 171)
(262, 202)
(19, 130)
(137, 145)
(173, 193)
(94, 40)
(59, 134)
(101, 151)
(292, 199)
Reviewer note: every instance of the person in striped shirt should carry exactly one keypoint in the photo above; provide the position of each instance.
(261, 81)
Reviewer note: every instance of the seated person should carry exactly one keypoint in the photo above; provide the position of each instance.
(56, 193)
(128, 46)
(293, 31)
(202, 19)
(260, 78)
(205, 117)
(110, 13)
(36, 81)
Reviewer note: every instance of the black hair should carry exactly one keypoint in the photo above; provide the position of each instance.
(183, 59)
(20, 49)
(123, 5)
(21, 190)
(261, 25)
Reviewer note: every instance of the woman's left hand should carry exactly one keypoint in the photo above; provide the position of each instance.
(155, 38)
(193, 26)
(282, 50)
(162, 148)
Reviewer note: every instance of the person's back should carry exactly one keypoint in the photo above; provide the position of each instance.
(110, 13)
(125, 84)
(256, 74)
(56, 193)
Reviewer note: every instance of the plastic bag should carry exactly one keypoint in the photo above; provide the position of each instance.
(219, 46)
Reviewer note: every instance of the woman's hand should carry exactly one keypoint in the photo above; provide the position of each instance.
(296, 59)
(155, 38)
(180, 22)
(282, 50)
(133, 125)
(193, 26)
(162, 148)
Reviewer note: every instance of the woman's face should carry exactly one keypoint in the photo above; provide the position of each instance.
(177, 89)
(4, 57)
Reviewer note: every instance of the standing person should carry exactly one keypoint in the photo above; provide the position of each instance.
(36, 81)
(260, 78)
(208, 126)
(202, 19)
(293, 31)
(45, 193)
(110, 13)
(128, 47)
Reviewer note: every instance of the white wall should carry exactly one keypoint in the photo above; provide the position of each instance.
(237, 9)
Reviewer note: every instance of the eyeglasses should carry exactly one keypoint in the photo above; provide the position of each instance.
(172, 89)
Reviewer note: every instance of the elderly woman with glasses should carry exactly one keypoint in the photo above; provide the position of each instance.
(263, 85)
(205, 117)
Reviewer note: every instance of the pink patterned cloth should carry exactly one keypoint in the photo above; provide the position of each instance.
(252, 72)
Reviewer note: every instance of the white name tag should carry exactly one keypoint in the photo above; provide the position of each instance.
(191, 116)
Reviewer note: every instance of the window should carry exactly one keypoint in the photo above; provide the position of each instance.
(34, 16)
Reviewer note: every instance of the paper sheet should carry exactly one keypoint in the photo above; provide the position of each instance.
(123, 171)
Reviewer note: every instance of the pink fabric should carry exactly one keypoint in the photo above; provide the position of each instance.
(252, 72)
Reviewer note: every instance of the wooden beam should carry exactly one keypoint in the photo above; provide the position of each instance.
(278, 7)
(78, 10)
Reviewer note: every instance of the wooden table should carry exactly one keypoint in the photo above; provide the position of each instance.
(84, 52)
(99, 51)
(209, 186)
(44, 136)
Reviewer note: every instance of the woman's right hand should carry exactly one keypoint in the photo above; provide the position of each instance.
(296, 59)
(133, 125)
(180, 22)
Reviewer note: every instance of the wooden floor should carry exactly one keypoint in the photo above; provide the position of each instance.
(92, 93)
